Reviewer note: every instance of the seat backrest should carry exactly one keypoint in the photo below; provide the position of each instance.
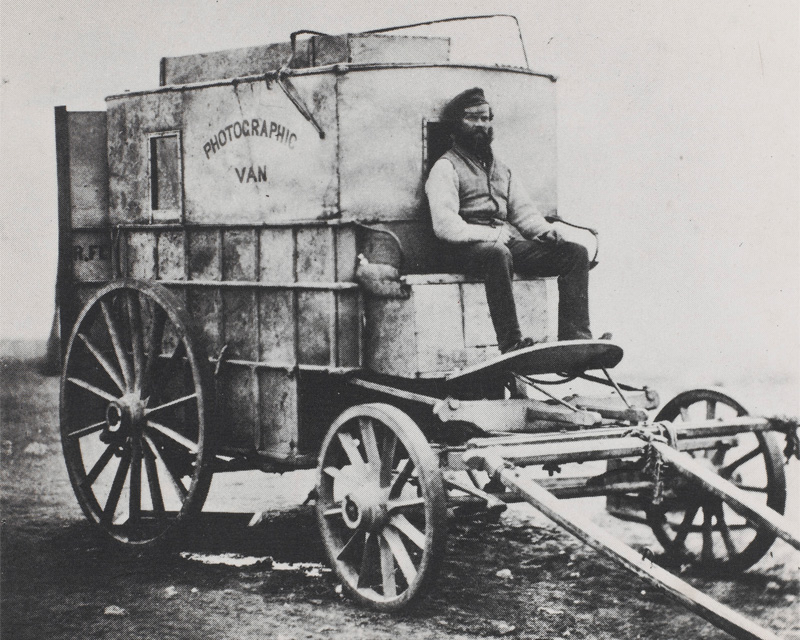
(408, 245)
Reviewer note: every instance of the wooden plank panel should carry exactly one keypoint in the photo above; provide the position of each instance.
(390, 345)
(250, 156)
(91, 255)
(205, 306)
(278, 429)
(346, 253)
(315, 254)
(315, 311)
(239, 254)
(277, 255)
(240, 326)
(88, 166)
(390, 48)
(131, 121)
(276, 314)
(439, 330)
(385, 181)
(141, 255)
(237, 407)
(171, 256)
(233, 63)
(205, 256)
(535, 309)
(348, 328)
(171, 336)
(478, 327)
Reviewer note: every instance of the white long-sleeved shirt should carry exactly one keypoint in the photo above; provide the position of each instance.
(442, 189)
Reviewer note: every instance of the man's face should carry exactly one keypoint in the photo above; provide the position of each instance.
(476, 124)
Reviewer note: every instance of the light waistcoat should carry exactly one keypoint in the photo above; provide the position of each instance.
(482, 193)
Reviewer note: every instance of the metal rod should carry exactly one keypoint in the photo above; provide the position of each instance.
(397, 393)
(616, 387)
(530, 382)
(457, 19)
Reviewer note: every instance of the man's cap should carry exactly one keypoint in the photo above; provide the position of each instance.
(454, 109)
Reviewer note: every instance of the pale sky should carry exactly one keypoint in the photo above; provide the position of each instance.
(678, 137)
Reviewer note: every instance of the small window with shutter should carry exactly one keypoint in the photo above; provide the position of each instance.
(436, 140)
(166, 176)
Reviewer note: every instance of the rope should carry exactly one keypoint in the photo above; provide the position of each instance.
(653, 462)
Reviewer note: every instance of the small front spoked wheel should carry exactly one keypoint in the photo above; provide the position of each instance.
(381, 506)
(698, 528)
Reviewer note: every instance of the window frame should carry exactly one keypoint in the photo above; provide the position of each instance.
(164, 215)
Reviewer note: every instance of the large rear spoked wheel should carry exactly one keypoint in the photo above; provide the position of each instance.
(134, 424)
(698, 528)
(381, 506)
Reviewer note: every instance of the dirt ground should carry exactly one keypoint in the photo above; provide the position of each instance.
(61, 579)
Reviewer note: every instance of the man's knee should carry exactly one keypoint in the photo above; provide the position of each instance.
(575, 254)
(493, 254)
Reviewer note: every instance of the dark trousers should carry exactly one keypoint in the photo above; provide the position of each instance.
(496, 264)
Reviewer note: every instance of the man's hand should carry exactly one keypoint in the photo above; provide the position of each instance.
(504, 236)
(552, 236)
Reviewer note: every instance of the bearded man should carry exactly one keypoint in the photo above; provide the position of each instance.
(480, 207)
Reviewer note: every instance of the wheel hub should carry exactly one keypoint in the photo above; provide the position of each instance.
(366, 508)
(125, 416)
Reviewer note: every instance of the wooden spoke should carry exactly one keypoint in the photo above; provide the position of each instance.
(685, 414)
(370, 445)
(725, 531)
(98, 467)
(718, 456)
(85, 431)
(394, 505)
(711, 409)
(387, 458)
(685, 527)
(387, 569)
(116, 340)
(405, 469)
(347, 549)
(135, 496)
(727, 471)
(153, 349)
(172, 403)
(708, 539)
(400, 554)
(752, 489)
(110, 369)
(174, 436)
(369, 561)
(137, 339)
(351, 449)
(91, 388)
(176, 482)
(333, 512)
(152, 481)
(401, 523)
(116, 487)
(333, 472)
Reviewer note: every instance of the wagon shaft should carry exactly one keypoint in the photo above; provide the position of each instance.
(713, 611)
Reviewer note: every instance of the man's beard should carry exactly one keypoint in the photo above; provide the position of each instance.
(476, 142)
